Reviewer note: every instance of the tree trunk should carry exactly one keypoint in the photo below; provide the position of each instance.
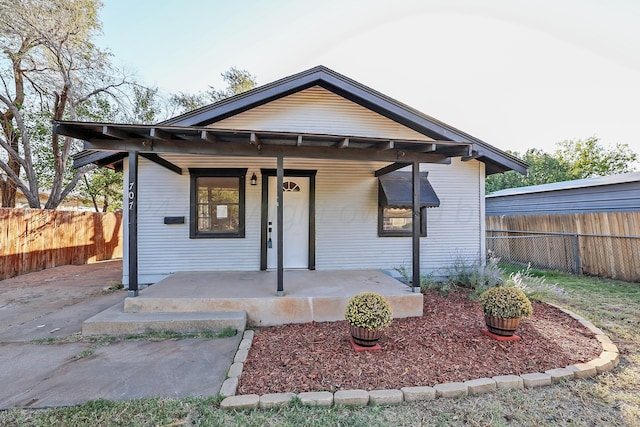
(59, 160)
(8, 189)
(93, 197)
(8, 186)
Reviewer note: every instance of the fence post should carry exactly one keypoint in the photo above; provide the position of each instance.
(576, 254)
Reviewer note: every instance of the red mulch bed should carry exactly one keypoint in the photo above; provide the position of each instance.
(444, 345)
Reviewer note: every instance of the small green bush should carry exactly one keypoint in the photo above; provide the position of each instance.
(534, 286)
(369, 310)
(427, 281)
(506, 302)
(474, 275)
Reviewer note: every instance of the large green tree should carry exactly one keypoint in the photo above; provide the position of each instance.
(49, 66)
(236, 79)
(573, 159)
(103, 187)
(586, 158)
(544, 168)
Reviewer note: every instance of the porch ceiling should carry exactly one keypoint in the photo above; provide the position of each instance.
(111, 139)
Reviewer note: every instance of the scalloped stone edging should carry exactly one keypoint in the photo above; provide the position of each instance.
(608, 360)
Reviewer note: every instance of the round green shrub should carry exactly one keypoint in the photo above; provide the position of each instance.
(369, 310)
(506, 302)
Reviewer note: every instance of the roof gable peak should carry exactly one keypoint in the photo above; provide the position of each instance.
(495, 159)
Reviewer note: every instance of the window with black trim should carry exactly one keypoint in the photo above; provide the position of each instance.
(398, 221)
(217, 203)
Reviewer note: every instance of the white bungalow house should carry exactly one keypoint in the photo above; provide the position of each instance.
(366, 182)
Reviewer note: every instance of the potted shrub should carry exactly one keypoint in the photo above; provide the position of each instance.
(368, 313)
(503, 308)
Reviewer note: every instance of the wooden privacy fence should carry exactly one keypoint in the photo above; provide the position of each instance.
(605, 244)
(34, 239)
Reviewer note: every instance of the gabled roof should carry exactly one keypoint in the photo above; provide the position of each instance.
(108, 143)
(496, 160)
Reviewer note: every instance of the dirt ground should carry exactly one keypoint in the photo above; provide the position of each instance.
(53, 303)
(49, 290)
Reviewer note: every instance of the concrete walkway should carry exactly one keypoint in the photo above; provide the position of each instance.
(53, 304)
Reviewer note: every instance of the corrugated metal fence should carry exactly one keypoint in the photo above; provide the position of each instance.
(605, 244)
(34, 239)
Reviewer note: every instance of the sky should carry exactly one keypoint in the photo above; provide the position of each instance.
(516, 74)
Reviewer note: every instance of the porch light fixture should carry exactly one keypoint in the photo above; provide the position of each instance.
(254, 179)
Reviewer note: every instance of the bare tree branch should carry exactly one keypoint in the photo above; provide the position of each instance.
(16, 114)
(104, 89)
(13, 177)
(13, 153)
(79, 174)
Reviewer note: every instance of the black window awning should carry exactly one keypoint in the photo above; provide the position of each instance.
(396, 190)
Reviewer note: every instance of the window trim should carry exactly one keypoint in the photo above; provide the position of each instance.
(195, 173)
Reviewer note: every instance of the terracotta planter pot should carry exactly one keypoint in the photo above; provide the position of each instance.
(364, 337)
(502, 327)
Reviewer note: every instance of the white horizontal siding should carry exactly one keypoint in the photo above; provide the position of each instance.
(165, 249)
(317, 110)
(346, 218)
(455, 229)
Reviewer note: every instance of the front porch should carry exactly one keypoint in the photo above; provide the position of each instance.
(189, 301)
(318, 296)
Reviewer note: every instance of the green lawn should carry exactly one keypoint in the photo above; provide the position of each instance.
(610, 399)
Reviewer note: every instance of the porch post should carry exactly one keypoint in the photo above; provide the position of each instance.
(415, 169)
(280, 222)
(132, 199)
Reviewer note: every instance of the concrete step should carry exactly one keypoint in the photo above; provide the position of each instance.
(114, 321)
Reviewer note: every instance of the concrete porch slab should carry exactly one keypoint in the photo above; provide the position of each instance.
(319, 296)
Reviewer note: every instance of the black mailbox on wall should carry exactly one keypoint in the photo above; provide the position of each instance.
(174, 220)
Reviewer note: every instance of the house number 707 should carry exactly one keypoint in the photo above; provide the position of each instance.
(132, 195)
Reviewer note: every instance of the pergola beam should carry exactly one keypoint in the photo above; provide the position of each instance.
(390, 168)
(162, 162)
(207, 137)
(255, 140)
(91, 131)
(388, 145)
(428, 148)
(159, 135)
(115, 132)
(270, 150)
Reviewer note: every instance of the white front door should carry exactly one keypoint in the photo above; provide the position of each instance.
(296, 222)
